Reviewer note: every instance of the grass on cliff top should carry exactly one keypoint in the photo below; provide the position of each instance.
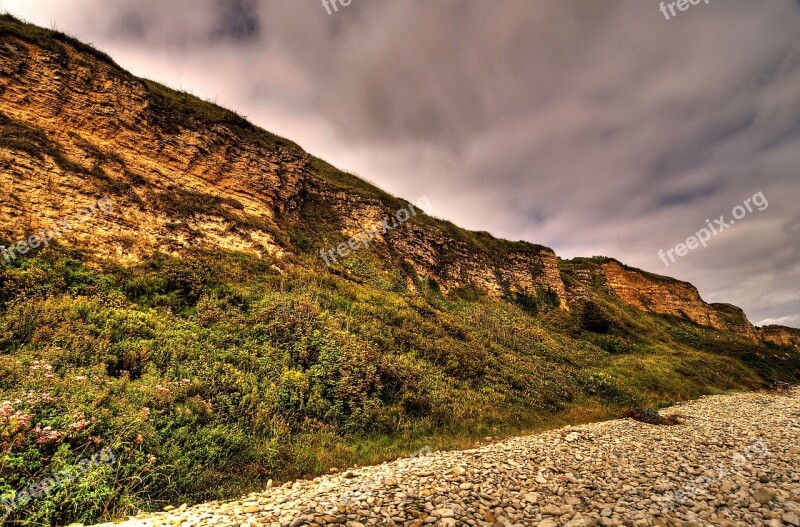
(209, 375)
(480, 242)
(179, 109)
(47, 38)
(593, 264)
(182, 109)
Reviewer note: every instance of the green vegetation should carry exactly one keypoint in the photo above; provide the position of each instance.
(48, 39)
(174, 108)
(177, 109)
(209, 375)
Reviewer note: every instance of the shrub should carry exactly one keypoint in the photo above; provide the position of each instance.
(651, 416)
(550, 298)
(595, 318)
(207, 383)
(528, 303)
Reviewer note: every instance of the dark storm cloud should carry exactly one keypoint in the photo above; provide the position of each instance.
(151, 23)
(238, 20)
(592, 127)
(685, 196)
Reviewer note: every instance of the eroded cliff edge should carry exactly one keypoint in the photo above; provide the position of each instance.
(186, 175)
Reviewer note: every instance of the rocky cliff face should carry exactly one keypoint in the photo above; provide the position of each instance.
(183, 174)
(659, 295)
(781, 336)
(653, 293)
(525, 269)
(454, 258)
(735, 320)
(85, 129)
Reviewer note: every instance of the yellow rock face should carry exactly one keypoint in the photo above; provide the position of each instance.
(192, 176)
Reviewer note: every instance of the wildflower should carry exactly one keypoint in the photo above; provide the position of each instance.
(17, 420)
(46, 434)
(79, 425)
(200, 401)
(6, 409)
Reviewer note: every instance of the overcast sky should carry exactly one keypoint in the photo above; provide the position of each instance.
(594, 127)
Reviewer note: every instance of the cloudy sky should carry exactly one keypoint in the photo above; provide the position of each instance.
(596, 127)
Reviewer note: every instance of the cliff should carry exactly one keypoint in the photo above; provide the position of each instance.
(781, 336)
(185, 175)
(655, 294)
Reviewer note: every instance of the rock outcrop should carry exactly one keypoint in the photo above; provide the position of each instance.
(734, 319)
(780, 336)
(186, 175)
(657, 294)
(453, 257)
(86, 128)
(183, 174)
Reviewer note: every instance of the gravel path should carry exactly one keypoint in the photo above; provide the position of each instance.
(735, 460)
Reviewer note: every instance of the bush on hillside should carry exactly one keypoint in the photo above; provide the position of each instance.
(594, 318)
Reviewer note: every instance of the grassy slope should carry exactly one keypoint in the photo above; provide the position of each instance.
(209, 375)
(206, 388)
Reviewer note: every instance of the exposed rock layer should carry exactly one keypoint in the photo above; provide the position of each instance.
(208, 181)
(660, 295)
(781, 336)
(183, 174)
(668, 296)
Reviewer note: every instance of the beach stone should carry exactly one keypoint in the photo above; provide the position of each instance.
(731, 462)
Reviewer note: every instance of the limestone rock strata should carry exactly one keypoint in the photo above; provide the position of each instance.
(660, 295)
(183, 174)
(453, 262)
(781, 336)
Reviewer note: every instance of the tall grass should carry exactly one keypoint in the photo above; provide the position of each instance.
(210, 375)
